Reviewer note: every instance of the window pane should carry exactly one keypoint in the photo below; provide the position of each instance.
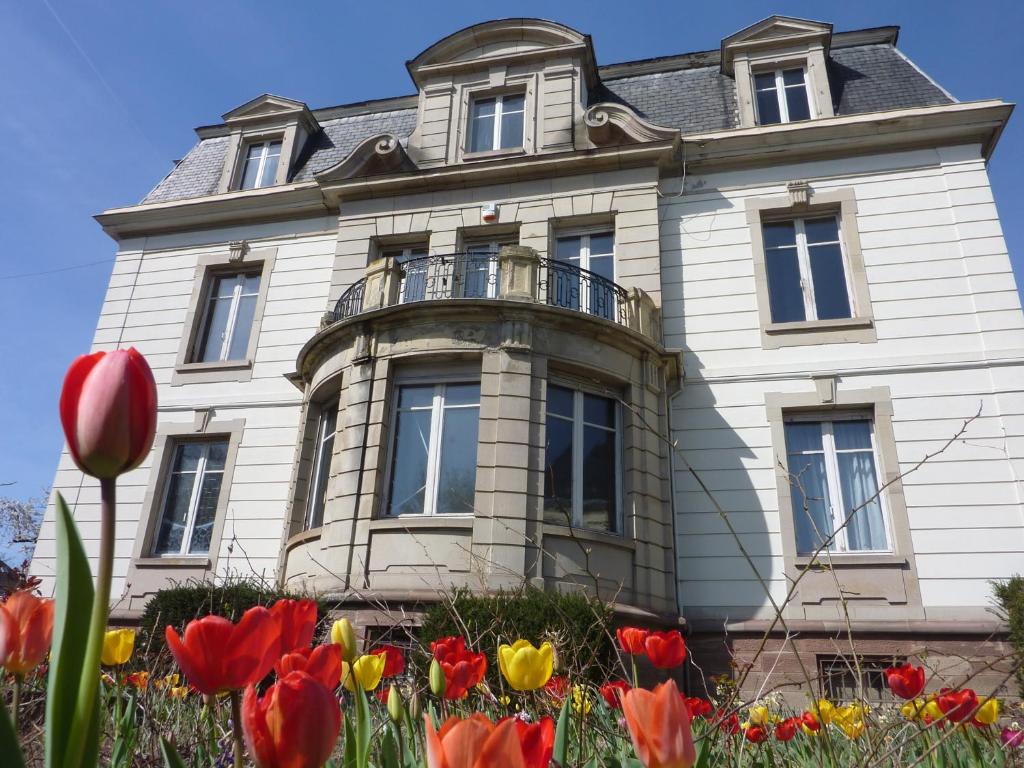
(409, 463)
(785, 294)
(216, 326)
(421, 396)
(796, 104)
(779, 234)
(830, 298)
(481, 129)
(768, 108)
(457, 480)
(252, 166)
(175, 514)
(568, 248)
(560, 401)
(601, 244)
(206, 512)
(793, 77)
(461, 394)
(187, 456)
(270, 164)
(822, 230)
(598, 479)
(251, 284)
(511, 128)
(803, 436)
(216, 456)
(765, 81)
(852, 435)
(243, 328)
(477, 276)
(603, 266)
(809, 494)
(513, 103)
(558, 470)
(599, 410)
(858, 483)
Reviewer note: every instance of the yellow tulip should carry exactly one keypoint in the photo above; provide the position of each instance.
(913, 709)
(526, 668)
(759, 715)
(118, 645)
(988, 712)
(824, 711)
(580, 700)
(344, 635)
(366, 670)
(850, 719)
(932, 711)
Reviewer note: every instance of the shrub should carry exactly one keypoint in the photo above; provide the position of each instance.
(578, 626)
(1010, 595)
(180, 604)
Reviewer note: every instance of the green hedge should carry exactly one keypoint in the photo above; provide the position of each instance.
(579, 627)
(1010, 595)
(180, 604)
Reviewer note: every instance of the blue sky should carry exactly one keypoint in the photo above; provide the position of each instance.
(100, 97)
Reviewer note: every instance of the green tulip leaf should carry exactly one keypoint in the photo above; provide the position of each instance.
(171, 757)
(561, 751)
(10, 751)
(72, 609)
(349, 756)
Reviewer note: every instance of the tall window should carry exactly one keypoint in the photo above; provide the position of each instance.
(585, 283)
(191, 493)
(261, 161)
(833, 480)
(481, 275)
(807, 276)
(781, 96)
(496, 122)
(227, 317)
(414, 281)
(326, 429)
(433, 450)
(581, 460)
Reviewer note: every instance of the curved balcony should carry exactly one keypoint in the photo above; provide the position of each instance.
(515, 273)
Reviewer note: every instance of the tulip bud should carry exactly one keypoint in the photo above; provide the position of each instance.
(344, 635)
(395, 709)
(108, 411)
(415, 707)
(437, 681)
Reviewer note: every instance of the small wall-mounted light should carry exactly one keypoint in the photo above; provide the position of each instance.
(489, 213)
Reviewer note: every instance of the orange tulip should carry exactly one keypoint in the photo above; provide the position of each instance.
(475, 742)
(323, 663)
(297, 622)
(26, 628)
(659, 726)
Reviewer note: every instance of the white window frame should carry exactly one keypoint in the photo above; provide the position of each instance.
(433, 472)
(578, 425)
(230, 328)
(318, 494)
(193, 502)
(499, 108)
(803, 257)
(264, 146)
(829, 451)
(585, 235)
(780, 94)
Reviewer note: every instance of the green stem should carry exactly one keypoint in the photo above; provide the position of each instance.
(15, 701)
(89, 682)
(236, 728)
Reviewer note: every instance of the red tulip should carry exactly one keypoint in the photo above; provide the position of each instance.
(905, 681)
(659, 727)
(297, 621)
(755, 734)
(473, 743)
(462, 668)
(322, 663)
(394, 660)
(957, 705)
(613, 691)
(665, 649)
(295, 725)
(698, 707)
(537, 740)
(26, 629)
(218, 656)
(809, 722)
(728, 723)
(786, 730)
(557, 688)
(631, 640)
(108, 410)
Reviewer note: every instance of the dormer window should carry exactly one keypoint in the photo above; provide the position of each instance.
(261, 159)
(781, 96)
(496, 122)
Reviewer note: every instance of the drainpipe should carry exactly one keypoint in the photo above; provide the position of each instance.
(359, 481)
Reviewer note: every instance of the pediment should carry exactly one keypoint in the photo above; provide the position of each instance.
(268, 107)
(374, 156)
(496, 40)
(774, 31)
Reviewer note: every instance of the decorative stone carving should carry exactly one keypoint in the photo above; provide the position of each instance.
(362, 346)
(237, 249)
(516, 332)
(376, 155)
(799, 193)
(609, 124)
(825, 386)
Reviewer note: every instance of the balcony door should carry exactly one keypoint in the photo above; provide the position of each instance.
(480, 275)
(414, 279)
(584, 274)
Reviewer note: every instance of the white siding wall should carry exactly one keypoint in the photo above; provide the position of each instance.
(145, 307)
(950, 339)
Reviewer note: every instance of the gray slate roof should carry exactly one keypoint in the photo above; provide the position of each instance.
(864, 78)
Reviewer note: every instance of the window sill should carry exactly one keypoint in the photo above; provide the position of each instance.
(859, 330)
(584, 534)
(491, 154)
(219, 371)
(422, 522)
(850, 560)
(202, 562)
